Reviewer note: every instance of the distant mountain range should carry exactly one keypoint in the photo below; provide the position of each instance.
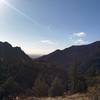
(85, 55)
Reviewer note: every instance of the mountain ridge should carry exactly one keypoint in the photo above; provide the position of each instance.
(82, 54)
(11, 54)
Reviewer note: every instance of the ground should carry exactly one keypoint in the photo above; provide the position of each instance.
(72, 97)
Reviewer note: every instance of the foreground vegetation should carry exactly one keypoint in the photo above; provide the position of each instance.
(77, 96)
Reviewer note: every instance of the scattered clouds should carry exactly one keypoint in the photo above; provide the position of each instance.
(80, 41)
(78, 38)
(80, 34)
(48, 42)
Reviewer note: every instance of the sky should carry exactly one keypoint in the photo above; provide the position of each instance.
(42, 26)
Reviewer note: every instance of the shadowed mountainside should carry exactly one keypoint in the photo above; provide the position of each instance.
(84, 54)
(11, 54)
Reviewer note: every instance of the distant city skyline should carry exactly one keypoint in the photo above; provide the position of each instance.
(42, 26)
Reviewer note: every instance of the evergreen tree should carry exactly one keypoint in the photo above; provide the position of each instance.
(40, 88)
(11, 88)
(82, 86)
(77, 81)
(57, 88)
(73, 74)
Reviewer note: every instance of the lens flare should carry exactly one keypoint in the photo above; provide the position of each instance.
(2, 1)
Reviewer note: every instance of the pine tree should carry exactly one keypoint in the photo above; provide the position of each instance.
(77, 81)
(57, 88)
(73, 77)
(10, 88)
(40, 88)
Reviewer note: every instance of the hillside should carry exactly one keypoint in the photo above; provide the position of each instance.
(51, 75)
(18, 72)
(11, 54)
(83, 54)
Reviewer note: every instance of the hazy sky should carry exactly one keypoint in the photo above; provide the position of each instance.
(42, 26)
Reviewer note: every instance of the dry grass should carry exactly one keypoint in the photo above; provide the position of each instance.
(72, 97)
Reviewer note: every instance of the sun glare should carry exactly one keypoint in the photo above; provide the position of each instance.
(2, 7)
(1, 2)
